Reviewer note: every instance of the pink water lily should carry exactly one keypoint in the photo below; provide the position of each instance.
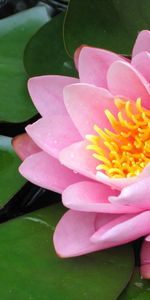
(92, 144)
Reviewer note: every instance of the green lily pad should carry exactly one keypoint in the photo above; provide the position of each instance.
(105, 24)
(45, 52)
(138, 288)
(30, 268)
(10, 179)
(15, 32)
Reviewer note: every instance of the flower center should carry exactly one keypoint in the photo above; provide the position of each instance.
(124, 151)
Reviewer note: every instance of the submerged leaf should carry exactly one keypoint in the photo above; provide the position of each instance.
(105, 24)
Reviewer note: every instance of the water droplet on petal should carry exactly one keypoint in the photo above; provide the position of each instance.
(75, 172)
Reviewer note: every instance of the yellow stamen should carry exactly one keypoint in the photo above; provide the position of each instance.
(102, 158)
(124, 151)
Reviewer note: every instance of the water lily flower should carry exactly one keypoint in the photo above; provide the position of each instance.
(92, 144)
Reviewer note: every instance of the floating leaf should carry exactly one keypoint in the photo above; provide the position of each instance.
(30, 268)
(10, 179)
(45, 53)
(15, 32)
(138, 288)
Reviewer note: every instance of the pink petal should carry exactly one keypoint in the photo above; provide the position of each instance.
(136, 195)
(93, 197)
(77, 158)
(24, 146)
(147, 238)
(86, 104)
(129, 228)
(46, 171)
(53, 134)
(76, 55)
(100, 231)
(73, 232)
(124, 80)
(120, 183)
(142, 42)
(141, 62)
(145, 260)
(93, 65)
(47, 93)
